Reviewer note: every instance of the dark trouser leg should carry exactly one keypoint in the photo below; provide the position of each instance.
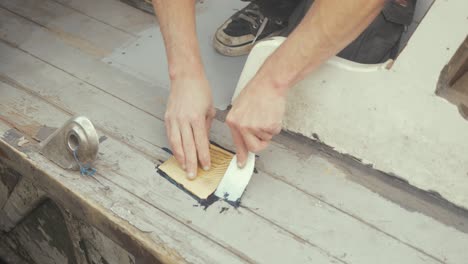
(379, 42)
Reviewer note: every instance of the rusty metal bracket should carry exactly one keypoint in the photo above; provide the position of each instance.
(76, 137)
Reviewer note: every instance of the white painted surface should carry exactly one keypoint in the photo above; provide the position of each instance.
(146, 59)
(390, 118)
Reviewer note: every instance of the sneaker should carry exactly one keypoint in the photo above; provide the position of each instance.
(239, 33)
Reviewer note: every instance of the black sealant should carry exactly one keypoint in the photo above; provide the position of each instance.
(212, 198)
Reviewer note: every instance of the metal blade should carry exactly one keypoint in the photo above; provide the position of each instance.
(235, 180)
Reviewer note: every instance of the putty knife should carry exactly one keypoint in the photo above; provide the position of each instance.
(235, 179)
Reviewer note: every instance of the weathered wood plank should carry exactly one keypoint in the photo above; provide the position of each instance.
(239, 230)
(8, 255)
(24, 198)
(114, 13)
(292, 166)
(353, 198)
(77, 30)
(115, 212)
(131, 165)
(49, 47)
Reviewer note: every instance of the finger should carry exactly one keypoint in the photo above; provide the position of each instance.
(262, 135)
(173, 134)
(208, 122)
(209, 119)
(202, 144)
(211, 113)
(189, 150)
(274, 130)
(253, 143)
(241, 149)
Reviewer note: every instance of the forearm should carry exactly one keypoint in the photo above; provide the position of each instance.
(328, 27)
(177, 23)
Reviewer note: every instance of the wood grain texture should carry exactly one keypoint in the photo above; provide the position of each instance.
(207, 181)
(120, 215)
(136, 174)
(286, 170)
(94, 38)
(157, 191)
(113, 13)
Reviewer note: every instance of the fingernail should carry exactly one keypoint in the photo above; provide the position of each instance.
(240, 165)
(206, 168)
(191, 175)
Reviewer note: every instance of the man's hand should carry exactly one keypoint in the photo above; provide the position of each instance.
(255, 117)
(188, 120)
(190, 108)
(257, 113)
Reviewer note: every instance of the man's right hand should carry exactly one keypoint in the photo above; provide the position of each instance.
(188, 120)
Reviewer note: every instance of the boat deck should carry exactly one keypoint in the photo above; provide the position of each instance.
(305, 204)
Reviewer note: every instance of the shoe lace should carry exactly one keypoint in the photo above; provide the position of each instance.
(254, 16)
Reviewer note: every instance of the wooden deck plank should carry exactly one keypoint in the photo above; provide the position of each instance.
(326, 187)
(104, 109)
(94, 38)
(147, 52)
(21, 32)
(114, 13)
(238, 230)
(164, 239)
(354, 199)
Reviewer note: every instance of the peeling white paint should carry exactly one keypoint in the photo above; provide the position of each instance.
(389, 118)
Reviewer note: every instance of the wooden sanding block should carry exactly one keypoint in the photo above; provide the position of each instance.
(206, 182)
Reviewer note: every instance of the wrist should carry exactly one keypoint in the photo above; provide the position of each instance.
(270, 81)
(186, 69)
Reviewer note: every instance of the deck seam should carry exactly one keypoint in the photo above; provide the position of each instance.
(13, 45)
(354, 217)
(95, 19)
(9, 123)
(270, 174)
(52, 30)
(154, 159)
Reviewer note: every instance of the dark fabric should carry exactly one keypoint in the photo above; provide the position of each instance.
(278, 8)
(379, 42)
(399, 11)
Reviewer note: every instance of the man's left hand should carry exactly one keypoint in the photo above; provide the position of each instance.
(256, 116)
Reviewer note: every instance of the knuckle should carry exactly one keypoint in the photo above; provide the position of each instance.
(179, 155)
(178, 118)
(192, 117)
(191, 163)
(172, 138)
(230, 119)
(197, 119)
(167, 116)
(277, 130)
(245, 126)
(204, 159)
(274, 128)
(212, 112)
(205, 156)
